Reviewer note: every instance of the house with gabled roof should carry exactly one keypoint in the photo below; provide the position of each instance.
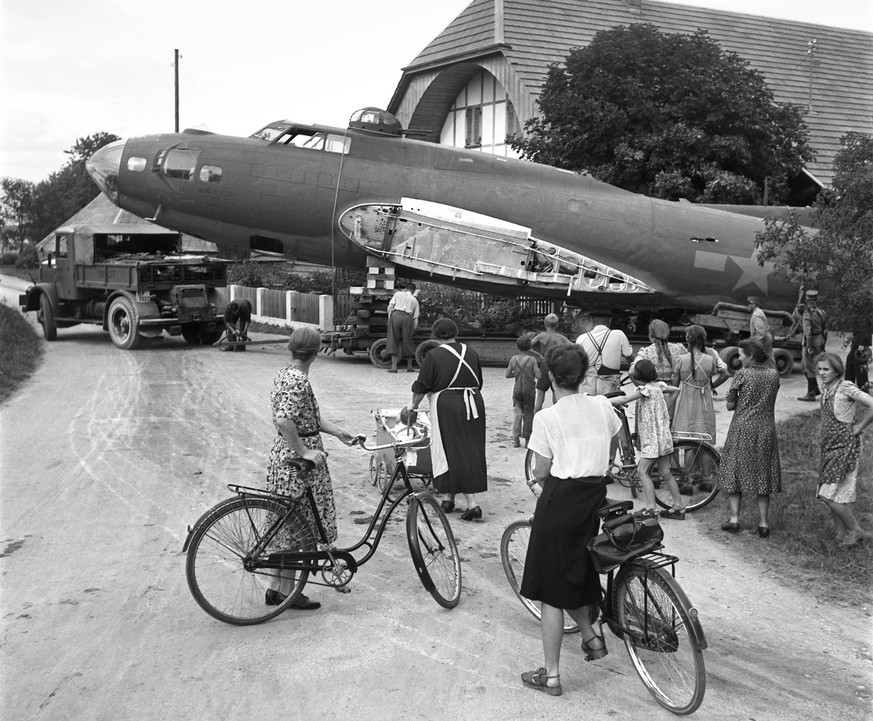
(479, 79)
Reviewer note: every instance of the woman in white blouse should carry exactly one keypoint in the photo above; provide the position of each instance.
(840, 446)
(571, 442)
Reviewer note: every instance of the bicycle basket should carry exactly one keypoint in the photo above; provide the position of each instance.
(623, 538)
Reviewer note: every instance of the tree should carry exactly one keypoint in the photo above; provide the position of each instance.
(670, 116)
(16, 210)
(68, 190)
(839, 257)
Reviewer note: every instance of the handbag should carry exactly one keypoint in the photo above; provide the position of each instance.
(622, 538)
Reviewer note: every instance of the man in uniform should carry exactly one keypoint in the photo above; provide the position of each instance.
(606, 350)
(815, 335)
(759, 329)
(237, 317)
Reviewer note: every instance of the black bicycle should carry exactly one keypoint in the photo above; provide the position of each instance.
(247, 544)
(644, 606)
(694, 464)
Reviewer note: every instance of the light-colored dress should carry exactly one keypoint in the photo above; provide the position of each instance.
(653, 427)
(292, 398)
(695, 412)
(840, 447)
(663, 363)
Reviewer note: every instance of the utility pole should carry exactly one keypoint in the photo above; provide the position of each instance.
(176, 68)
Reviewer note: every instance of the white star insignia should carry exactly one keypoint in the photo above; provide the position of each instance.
(753, 272)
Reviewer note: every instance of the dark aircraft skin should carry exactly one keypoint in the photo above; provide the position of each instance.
(322, 195)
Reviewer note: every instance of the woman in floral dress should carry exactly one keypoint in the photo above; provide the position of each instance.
(298, 426)
(841, 446)
(750, 457)
(663, 355)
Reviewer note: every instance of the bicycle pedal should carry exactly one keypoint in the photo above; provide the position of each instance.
(343, 589)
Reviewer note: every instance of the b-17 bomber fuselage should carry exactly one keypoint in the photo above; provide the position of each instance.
(327, 195)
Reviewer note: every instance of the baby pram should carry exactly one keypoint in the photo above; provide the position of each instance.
(389, 428)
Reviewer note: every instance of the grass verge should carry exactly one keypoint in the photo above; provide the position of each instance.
(801, 550)
(20, 351)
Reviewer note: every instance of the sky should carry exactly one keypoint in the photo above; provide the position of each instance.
(72, 69)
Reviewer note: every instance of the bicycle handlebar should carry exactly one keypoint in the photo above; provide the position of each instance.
(416, 439)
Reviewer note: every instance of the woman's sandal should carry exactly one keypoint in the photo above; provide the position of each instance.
(538, 681)
(592, 654)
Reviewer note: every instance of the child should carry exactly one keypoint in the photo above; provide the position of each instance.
(526, 371)
(653, 430)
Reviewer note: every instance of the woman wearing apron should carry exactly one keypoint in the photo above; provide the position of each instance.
(452, 380)
(841, 446)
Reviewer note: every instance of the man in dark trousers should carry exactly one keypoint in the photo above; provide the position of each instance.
(237, 317)
(815, 335)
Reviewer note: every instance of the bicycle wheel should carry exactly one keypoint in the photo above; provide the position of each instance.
(659, 637)
(513, 551)
(694, 465)
(529, 461)
(222, 575)
(433, 550)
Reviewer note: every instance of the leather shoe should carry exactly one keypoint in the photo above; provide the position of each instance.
(730, 527)
(448, 506)
(304, 603)
(273, 598)
(472, 514)
(763, 531)
(807, 397)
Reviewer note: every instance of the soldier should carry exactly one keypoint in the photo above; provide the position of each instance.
(759, 329)
(815, 335)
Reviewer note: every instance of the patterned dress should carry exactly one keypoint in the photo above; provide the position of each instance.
(663, 363)
(292, 398)
(840, 448)
(750, 457)
(653, 426)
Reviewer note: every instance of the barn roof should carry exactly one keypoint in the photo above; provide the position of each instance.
(533, 34)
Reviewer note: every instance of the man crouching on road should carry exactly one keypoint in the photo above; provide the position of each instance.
(237, 317)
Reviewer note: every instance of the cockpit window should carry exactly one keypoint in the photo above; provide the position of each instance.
(309, 138)
(180, 164)
(136, 165)
(210, 174)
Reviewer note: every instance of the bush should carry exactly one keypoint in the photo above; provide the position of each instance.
(20, 351)
(8, 258)
(28, 259)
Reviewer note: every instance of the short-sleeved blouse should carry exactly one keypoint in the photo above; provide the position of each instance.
(663, 365)
(575, 433)
(844, 401)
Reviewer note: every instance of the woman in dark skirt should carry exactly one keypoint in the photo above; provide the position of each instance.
(452, 380)
(571, 442)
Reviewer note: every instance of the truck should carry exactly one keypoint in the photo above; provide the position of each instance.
(132, 280)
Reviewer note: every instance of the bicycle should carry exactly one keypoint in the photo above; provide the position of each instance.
(234, 551)
(644, 606)
(694, 464)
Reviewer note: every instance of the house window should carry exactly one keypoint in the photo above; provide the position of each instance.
(474, 127)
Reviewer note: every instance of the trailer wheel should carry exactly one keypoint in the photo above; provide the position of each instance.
(46, 318)
(379, 353)
(731, 357)
(784, 361)
(425, 347)
(122, 324)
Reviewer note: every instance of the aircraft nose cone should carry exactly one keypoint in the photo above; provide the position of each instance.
(103, 168)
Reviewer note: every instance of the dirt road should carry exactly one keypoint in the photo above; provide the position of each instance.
(107, 456)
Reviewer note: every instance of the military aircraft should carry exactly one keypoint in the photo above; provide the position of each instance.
(332, 196)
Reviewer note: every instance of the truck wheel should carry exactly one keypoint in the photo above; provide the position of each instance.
(122, 324)
(425, 347)
(731, 357)
(199, 334)
(379, 355)
(46, 318)
(784, 361)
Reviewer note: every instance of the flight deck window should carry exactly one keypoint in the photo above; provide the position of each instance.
(180, 164)
(136, 165)
(210, 174)
(317, 141)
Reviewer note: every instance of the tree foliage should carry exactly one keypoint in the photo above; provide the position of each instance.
(16, 211)
(669, 115)
(839, 257)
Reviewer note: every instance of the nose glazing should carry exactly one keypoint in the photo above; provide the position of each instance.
(103, 168)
